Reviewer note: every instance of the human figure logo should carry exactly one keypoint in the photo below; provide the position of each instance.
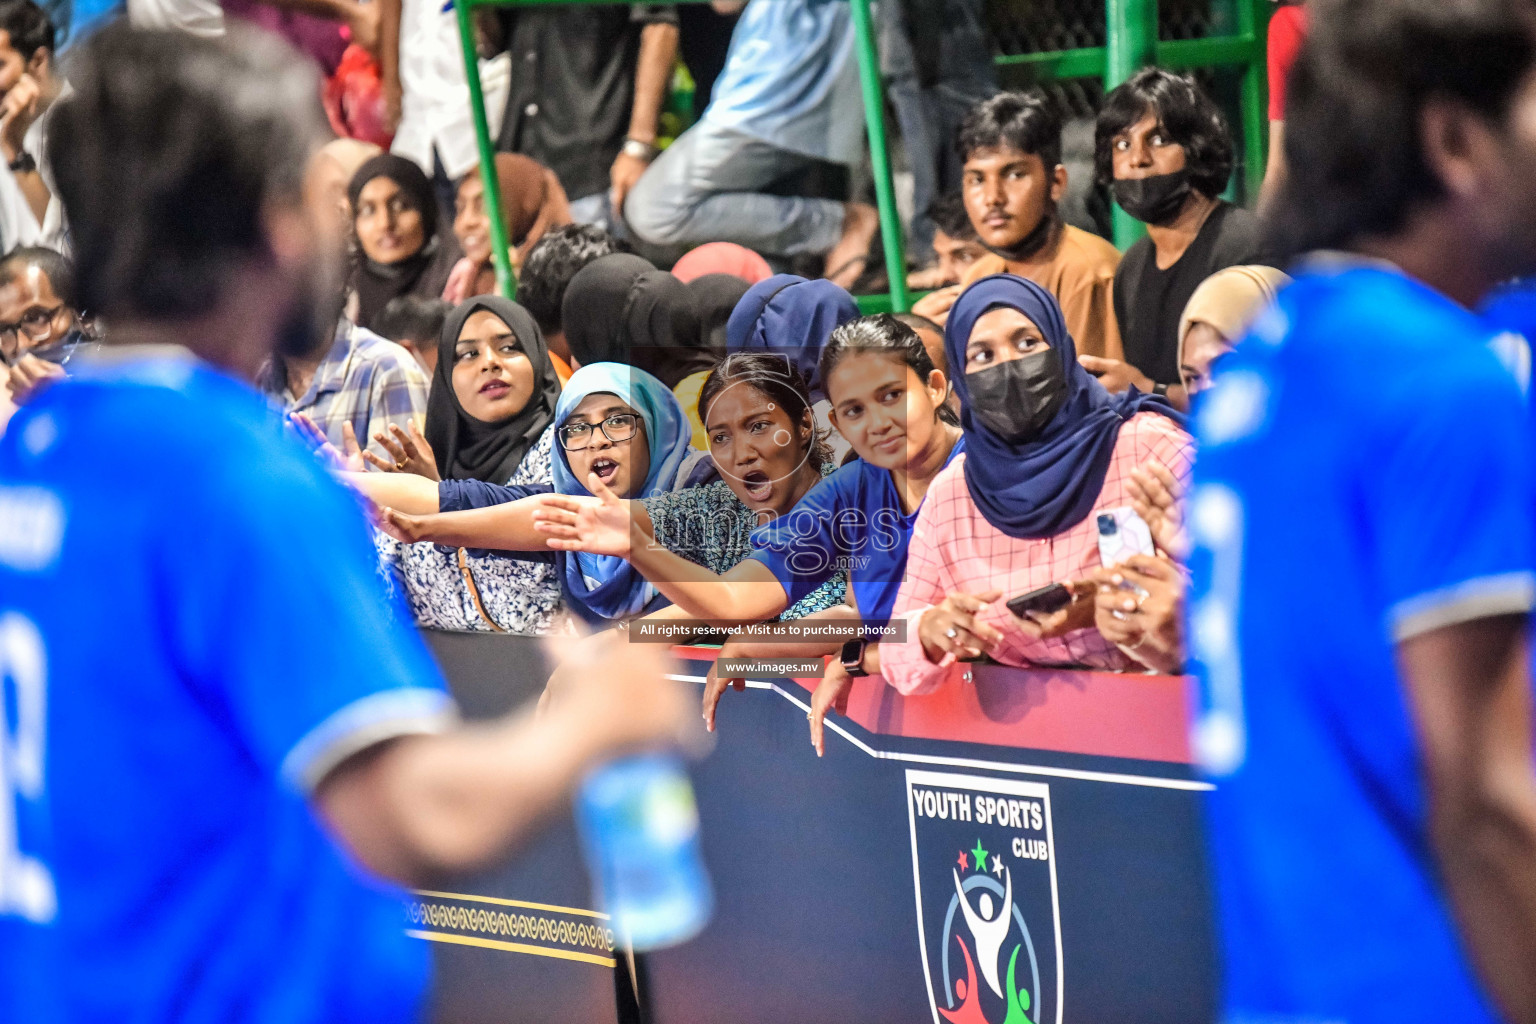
(984, 870)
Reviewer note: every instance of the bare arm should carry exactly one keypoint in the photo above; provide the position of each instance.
(420, 807)
(504, 527)
(405, 492)
(1469, 691)
(1274, 168)
(389, 60)
(653, 72)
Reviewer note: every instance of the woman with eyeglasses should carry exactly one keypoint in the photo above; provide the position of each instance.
(615, 423)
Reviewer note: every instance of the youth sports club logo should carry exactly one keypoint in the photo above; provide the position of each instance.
(984, 868)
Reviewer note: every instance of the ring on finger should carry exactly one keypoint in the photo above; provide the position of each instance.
(400, 466)
(951, 632)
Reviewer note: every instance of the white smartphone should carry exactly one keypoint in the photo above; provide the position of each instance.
(1122, 533)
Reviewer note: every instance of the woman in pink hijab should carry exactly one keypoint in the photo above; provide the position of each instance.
(723, 258)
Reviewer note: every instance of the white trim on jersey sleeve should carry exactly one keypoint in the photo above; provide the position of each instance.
(1485, 597)
(405, 711)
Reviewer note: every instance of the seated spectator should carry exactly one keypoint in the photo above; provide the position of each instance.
(30, 214)
(932, 337)
(415, 324)
(1012, 183)
(1218, 314)
(552, 262)
(621, 309)
(394, 219)
(715, 297)
(753, 404)
(955, 245)
(335, 165)
(1046, 447)
(789, 97)
(723, 258)
(40, 327)
(490, 420)
(1163, 147)
(532, 202)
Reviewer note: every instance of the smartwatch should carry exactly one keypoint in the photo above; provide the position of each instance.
(852, 658)
(23, 164)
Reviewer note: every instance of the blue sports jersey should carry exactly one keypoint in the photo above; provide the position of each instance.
(1364, 477)
(192, 632)
(851, 520)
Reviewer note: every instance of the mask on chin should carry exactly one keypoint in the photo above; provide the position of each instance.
(1033, 242)
(1018, 399)
(1156, 200)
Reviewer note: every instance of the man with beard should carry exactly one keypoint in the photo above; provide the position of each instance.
(1012, 180)
(1363, 554)
(221, 751)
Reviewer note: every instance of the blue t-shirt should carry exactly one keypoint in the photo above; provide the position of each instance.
(1364, 477)
(192, 633)
(852, 521)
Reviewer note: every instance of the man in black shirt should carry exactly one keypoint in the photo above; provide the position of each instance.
(1164, 149)
(588, 83)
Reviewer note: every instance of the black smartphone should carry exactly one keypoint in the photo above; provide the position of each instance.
(1050, 598)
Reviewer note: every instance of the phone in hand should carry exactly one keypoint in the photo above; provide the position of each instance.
(1123, 533)
(1046, 600)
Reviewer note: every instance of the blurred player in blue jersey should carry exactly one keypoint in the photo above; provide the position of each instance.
(217, 750)
(1363, 517)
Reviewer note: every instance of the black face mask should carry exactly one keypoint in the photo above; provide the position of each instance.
(1033, 242)
(1018, 399)
(1156, 200)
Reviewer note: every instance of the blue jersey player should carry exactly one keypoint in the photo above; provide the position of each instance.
(1364, 568)
(218, 752)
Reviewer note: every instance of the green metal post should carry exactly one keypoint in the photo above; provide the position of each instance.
(880, 158)
(1253, 23)
(1132, 45)
(499, 244)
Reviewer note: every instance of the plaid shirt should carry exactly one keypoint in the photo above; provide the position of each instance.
(363, 380)
(955, 550)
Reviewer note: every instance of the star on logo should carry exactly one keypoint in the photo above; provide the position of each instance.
(981, 856)
(963, 863)
(997, 865)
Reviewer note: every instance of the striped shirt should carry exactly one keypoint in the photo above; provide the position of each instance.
(363, 380)
(955, 550)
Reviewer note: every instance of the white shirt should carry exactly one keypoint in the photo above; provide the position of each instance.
(434, 105)
(196, 17)
(18, 224)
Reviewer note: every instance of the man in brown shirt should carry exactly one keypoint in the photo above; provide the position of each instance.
(1013, 179)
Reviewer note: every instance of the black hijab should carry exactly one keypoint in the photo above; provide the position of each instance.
(714, 299)
(467, 448)
(621, 309)
(424, 272)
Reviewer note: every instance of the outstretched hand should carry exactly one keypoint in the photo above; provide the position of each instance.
(348, 461)
(597, 525)
(411, 452)
(405, 528)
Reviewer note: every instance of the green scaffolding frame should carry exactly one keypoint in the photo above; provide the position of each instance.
(1132, 43)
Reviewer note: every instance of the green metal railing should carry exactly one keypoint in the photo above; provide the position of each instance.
(1131, 43)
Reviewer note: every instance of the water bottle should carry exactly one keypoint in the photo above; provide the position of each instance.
(640, 829)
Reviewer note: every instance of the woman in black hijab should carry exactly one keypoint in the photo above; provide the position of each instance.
(714, 299)
(621, 309)
(493, 391)
(395, 221)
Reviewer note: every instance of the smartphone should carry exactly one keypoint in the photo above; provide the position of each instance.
(1122, 533)
(1050, 598)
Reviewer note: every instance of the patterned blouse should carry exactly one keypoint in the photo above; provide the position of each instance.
(711, 527)
(522, 596)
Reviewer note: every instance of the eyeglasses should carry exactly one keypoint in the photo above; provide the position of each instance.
(618, 427)
(35, 323)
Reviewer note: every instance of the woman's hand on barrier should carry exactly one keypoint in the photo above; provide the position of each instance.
(1155, 495)
(715, 685)
(831, 694)
(599, 525)
(409, 451)
(950, 631)
(1078, 614)
(1146, 626)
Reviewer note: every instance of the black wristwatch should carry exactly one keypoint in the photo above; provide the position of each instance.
(23, 164)
(852, 657)
(1160, 389)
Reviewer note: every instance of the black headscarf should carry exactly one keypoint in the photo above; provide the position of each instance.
(714, 299)
(425, 272)
(470, 449)
(621, 309)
